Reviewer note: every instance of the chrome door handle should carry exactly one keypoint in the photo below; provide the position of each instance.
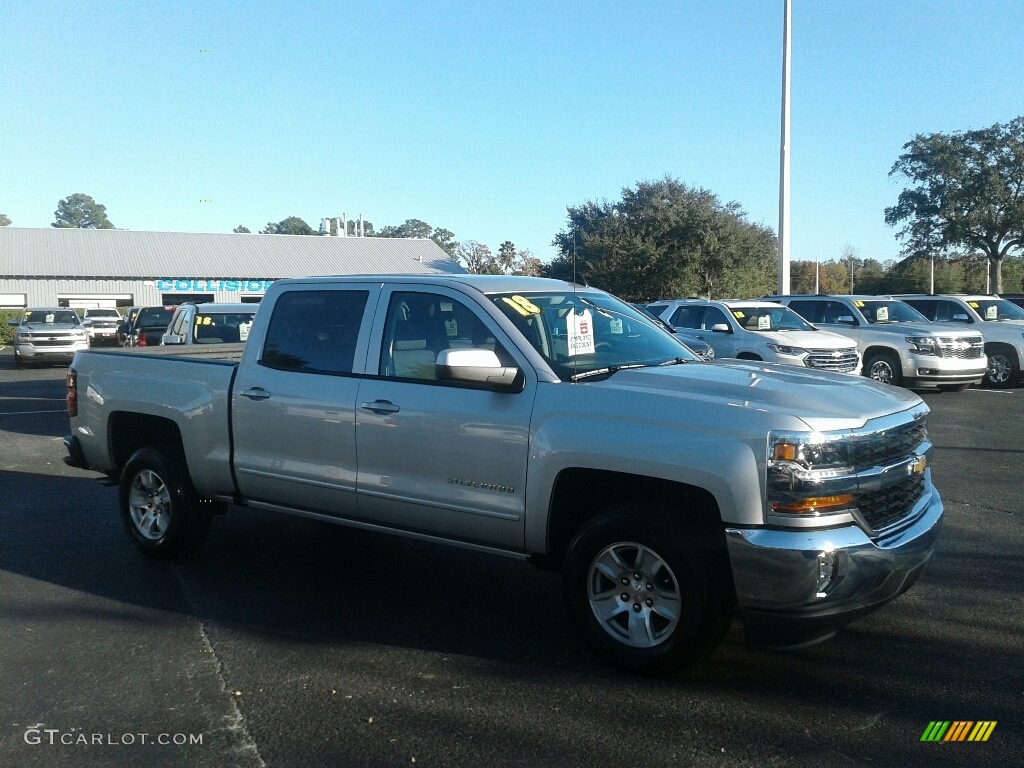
(256, 393)
(380, 406)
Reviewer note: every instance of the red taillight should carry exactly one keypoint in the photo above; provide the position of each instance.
(142, 339)
(72, 381)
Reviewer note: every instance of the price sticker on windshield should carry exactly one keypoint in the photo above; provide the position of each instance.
(243, 330)
(882, 315)
(992, 313)
(764, 323)
(580, 330)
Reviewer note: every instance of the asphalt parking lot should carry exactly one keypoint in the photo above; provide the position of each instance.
(287, 642)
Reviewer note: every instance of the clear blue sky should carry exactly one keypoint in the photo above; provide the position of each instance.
(487, 118)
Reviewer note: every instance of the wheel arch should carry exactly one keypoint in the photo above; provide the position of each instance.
(127, 432)
(580, 494)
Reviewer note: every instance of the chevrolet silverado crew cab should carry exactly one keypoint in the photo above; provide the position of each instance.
(47, 334)
(542, 421)
(761, 330)
(1001, 323)
(897, 343)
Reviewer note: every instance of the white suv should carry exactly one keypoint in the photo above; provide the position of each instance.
(898, 344)
(760, 330)
(1001, 322)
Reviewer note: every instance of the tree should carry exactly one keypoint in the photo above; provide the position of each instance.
(293, 225)
(444, 238)
(506, 256)
(241, 229)
(4, 220)
(82, 212)
(476, 258)
(967, 195)
(664, 239)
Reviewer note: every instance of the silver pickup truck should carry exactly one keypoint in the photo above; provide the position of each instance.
(542, 421)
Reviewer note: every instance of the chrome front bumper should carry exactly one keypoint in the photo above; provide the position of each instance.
(796, 588)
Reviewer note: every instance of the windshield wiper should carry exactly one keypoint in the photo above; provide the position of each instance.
(609, 370)
(675, 361)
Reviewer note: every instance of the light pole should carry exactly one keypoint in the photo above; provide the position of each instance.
(783, 270)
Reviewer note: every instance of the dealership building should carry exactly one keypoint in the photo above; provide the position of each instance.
(123, 268)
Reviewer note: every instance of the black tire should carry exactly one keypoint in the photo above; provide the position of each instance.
(1003, 368)
(159, 506)
(674, 614)
(884, 367)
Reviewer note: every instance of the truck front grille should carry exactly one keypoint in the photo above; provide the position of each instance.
(962, 349)
(840, 361)
(51, 341)
(881, 448)
(882, 509)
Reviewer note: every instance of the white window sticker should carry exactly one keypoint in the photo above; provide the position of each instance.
(581, 333)
(243, 330)
(446, 306)
(615, 326)
(992, 313)
(882, 315)
(451, 327)
(764, 322)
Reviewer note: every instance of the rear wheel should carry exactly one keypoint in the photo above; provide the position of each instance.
(1003, 369)
(159, 506)
(649, 592)
(884, 367)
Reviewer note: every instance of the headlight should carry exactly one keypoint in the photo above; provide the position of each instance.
(81, 335)
(809, 476)
(782, 349)
(22, 338)
(922, 345)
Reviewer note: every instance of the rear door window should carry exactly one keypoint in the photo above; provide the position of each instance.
(314, 331)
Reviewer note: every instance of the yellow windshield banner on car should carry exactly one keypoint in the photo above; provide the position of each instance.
(522, 305)
(737, 314)
(858, 303)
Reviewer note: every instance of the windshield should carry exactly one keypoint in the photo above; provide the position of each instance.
(589, 333)
(996, 309)
(222, 326)
(50, 316)
(885, 311)
(151, 317)
(774, 318)
(111, 313)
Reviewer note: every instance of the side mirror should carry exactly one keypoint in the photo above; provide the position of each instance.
(13, 323)
(480, 367)
(846, 320)
(170, 338)
(721, 328)
(961, 318)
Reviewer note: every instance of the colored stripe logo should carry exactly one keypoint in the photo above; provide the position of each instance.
(958, 730)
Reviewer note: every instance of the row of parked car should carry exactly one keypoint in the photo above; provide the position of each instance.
(948, 341)
(55, 334)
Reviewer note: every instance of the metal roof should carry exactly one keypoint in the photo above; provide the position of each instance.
(121, 253)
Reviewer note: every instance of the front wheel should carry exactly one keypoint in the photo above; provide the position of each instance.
(159, 506)
(884, 367)
(650, 593)
(1003, 369)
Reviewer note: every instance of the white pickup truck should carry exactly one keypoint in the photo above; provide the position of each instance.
(542, 421)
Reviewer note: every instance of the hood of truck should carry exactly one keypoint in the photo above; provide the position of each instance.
(49, 327)
(919, 329)
(808, 339)
(822, 400)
